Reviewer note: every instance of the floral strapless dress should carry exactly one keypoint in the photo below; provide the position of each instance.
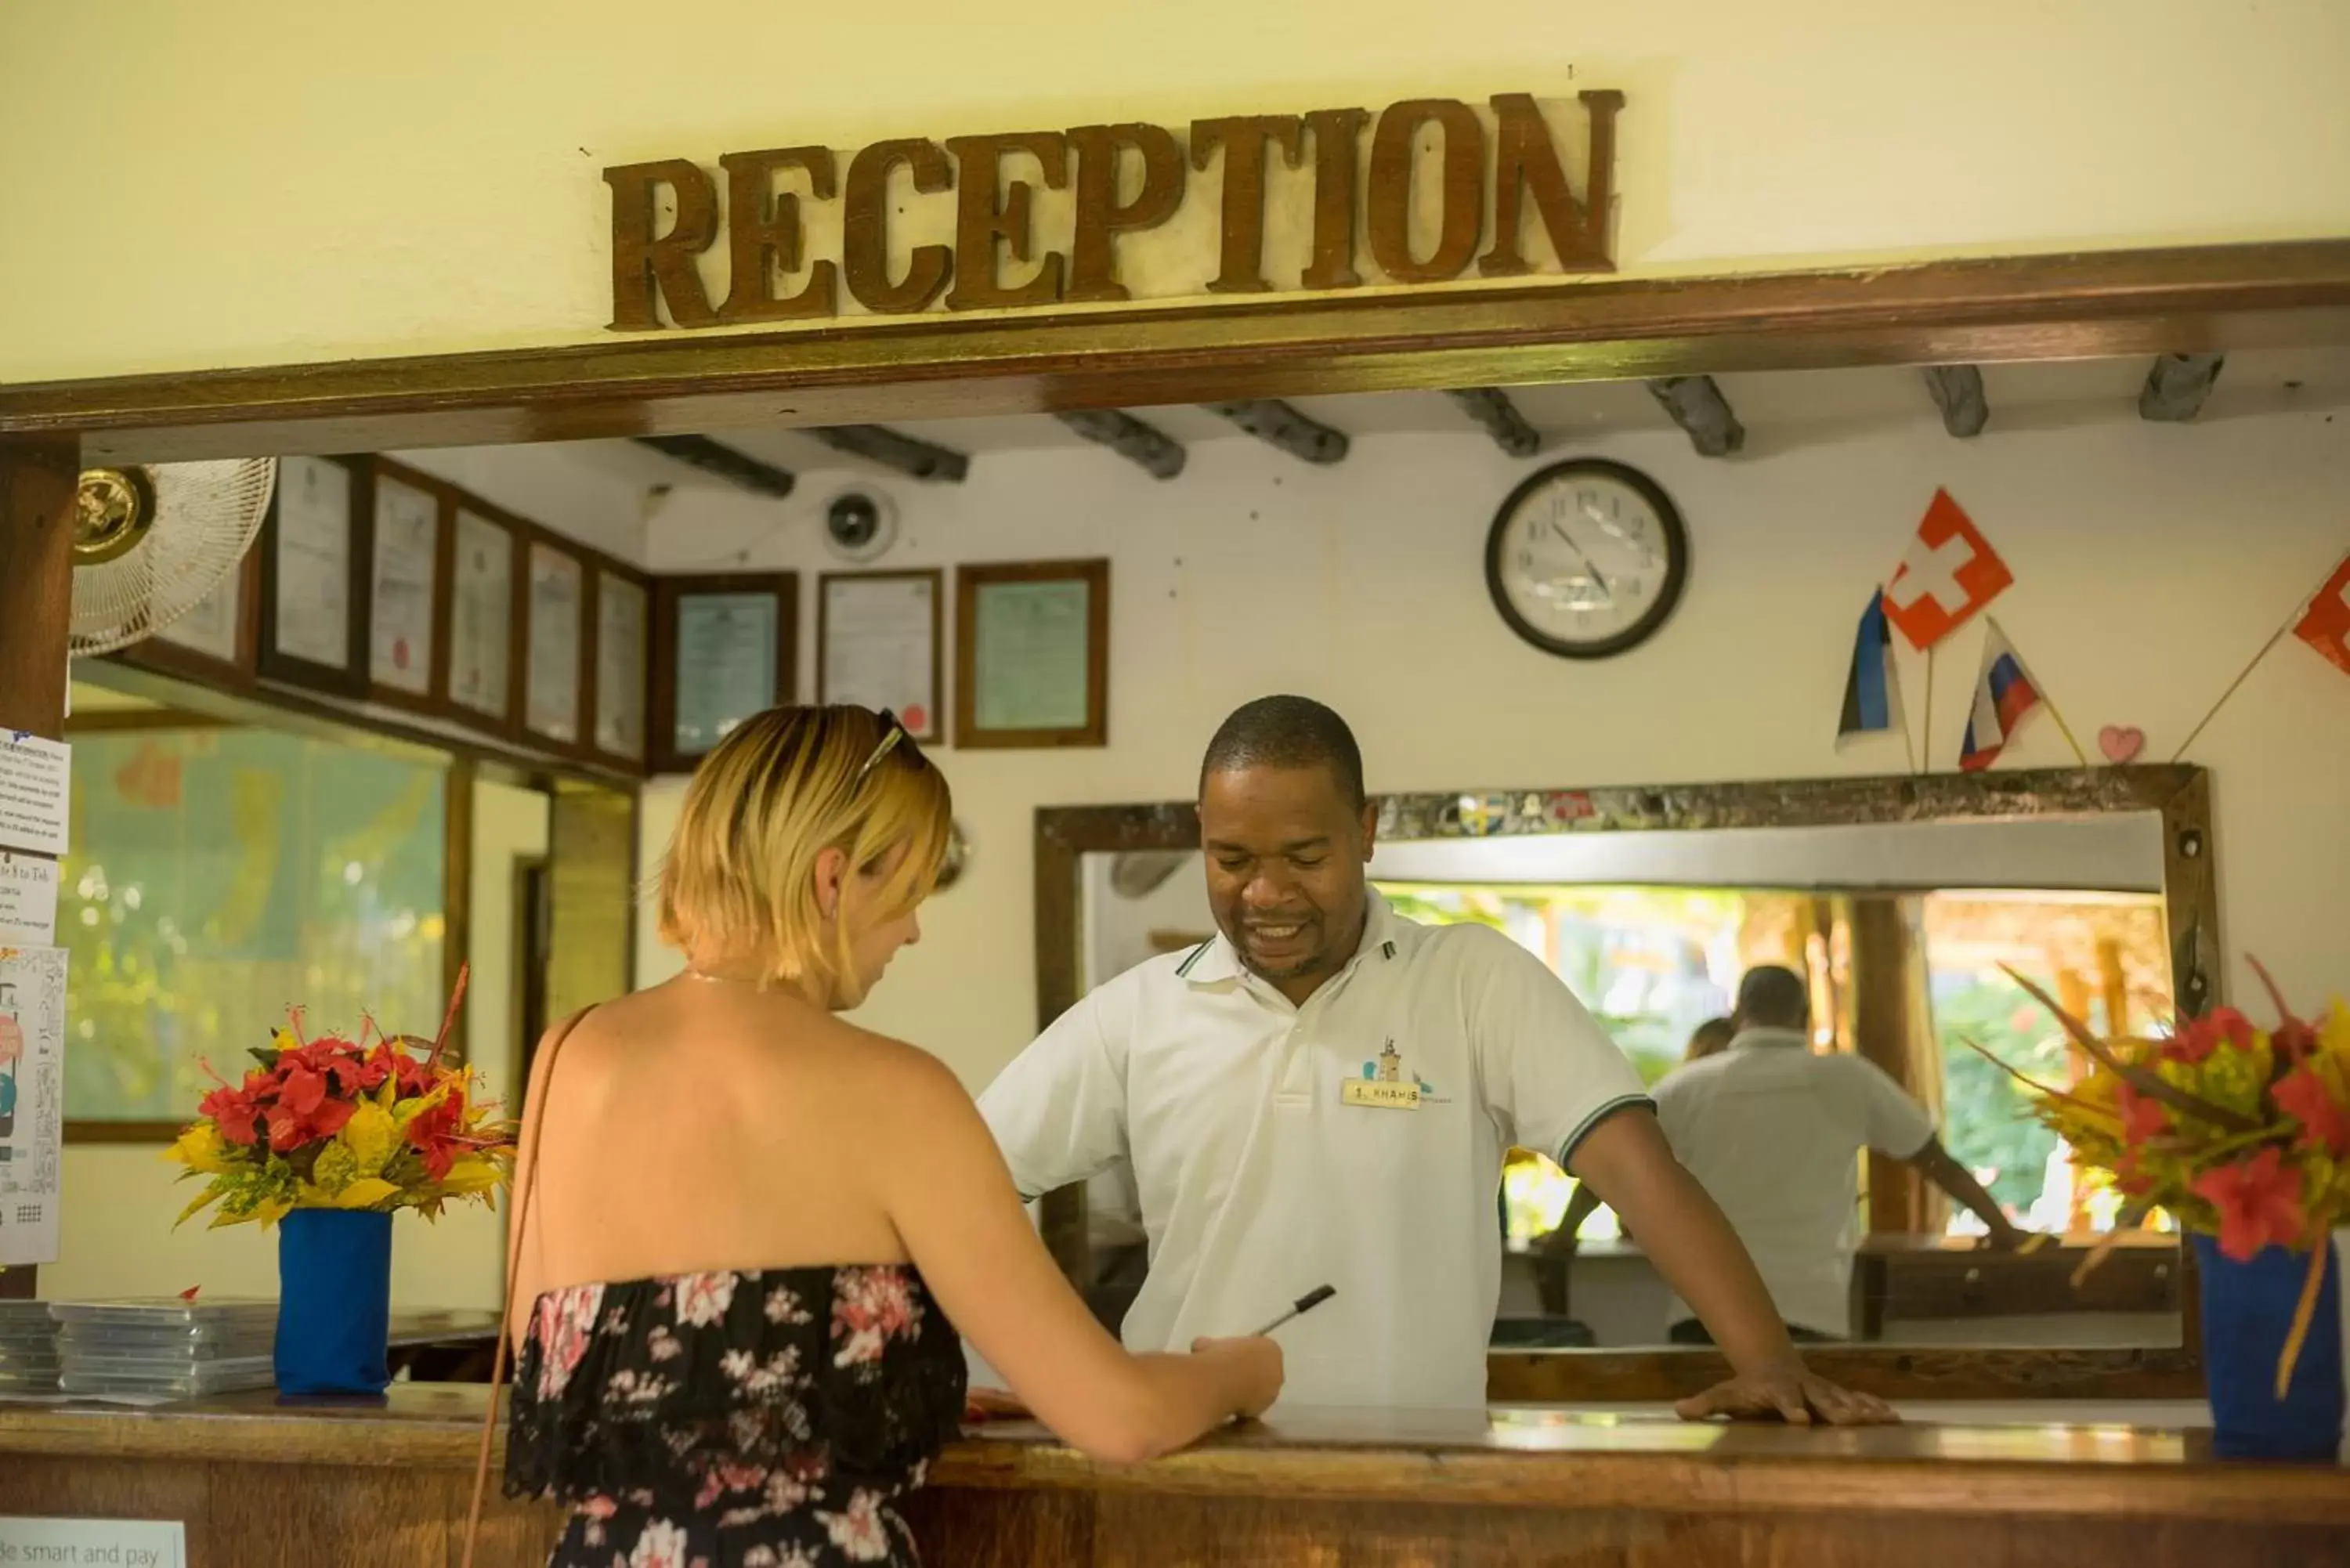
(765, 1419)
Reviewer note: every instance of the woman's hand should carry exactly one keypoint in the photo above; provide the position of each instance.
(1252, 1367)
(1786, 1390)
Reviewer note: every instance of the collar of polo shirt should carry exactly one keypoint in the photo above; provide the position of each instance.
(1758, 1034)
(1215, 962)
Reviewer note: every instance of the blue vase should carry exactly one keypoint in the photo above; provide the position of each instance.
(333, 1302)
(2247, 1313)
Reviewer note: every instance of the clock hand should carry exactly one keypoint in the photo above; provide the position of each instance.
(1606, 595)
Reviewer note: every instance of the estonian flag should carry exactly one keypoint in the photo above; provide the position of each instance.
(2003, 695)
(1872, 694)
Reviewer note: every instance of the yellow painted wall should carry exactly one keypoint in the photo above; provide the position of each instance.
(119, 1201)
(1362, 584)
(247, 181)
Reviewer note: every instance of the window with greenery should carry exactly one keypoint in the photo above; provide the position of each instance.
(218, 875)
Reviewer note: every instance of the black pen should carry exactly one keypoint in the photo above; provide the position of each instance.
(1304, 1304)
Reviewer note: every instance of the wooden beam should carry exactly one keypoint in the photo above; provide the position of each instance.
(724, 463)
(909, 455)
(1276, 423)
(1147, 446)
(2088, 305)
(1697, 406)
(37, 478)
(1491, 407)
(1957, 392)
(2177, 386)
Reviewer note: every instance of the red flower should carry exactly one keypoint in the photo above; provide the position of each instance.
(2220, 1026)
(2134, 1182)
(433, 1133)
(2302, 1095)
(2294, 1039)
(301, 1090)
(2259, 1201)
(232, 1111)
(2142, 1117)
(290, 1129)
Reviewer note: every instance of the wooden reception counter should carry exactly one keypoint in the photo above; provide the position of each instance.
(261, 1484)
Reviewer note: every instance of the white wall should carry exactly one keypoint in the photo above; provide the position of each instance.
(326, 181)
(2151, 563)
(118, 1238)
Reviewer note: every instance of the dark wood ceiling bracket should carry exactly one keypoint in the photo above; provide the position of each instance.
(722, 462)
(1276, 423)
(1145, 446)
(1491, 408)
(1697, 406)
(1957, 392)
(2177, 386)
(910, 455)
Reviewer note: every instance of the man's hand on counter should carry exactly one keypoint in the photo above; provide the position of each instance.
(1791, 1393)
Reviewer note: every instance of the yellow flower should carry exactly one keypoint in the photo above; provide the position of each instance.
(372, 1136)
(366, 1193)
(471, 1174)
(203, 1150)
(282, 1041)
(2334, 1033)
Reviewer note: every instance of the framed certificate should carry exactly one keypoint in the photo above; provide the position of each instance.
(622, 638)
(484, 620)
(555, 645)
(722, 650)
(878, 645)
(314, 551)
(215, 642)
(408, 594)
(1032, 654)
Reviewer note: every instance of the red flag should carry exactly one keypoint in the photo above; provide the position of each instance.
(2326, 626)
(1949, 573)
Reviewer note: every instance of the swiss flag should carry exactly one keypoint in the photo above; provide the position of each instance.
(1949, 573)
(2326, 626)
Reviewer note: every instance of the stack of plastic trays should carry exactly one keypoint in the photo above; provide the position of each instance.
(167, 1349)
(28, 1348)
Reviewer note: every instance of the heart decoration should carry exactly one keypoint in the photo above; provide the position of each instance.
(2121, 742)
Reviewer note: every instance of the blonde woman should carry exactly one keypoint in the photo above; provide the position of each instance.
(750, 1230)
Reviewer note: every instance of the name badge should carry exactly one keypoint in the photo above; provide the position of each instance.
(1384, 1096)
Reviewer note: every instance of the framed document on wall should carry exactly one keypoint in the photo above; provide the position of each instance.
(1032, 654)
(723, 650)
(877, 641)
(555, 645)
(214, 642)
(622, 623)
(484, 620)
(315, 556)
(408, 596)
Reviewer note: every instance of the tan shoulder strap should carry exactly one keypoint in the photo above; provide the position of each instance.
(525, 1182)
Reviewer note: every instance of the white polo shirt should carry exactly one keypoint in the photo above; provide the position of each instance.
(1774, 1134)
(1262, 1175)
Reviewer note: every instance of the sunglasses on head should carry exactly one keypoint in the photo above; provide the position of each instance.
(892, 732)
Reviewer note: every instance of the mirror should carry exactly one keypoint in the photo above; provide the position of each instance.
(1899, 904)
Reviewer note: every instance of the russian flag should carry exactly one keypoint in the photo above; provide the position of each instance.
(2003, 695)
(1872, 693)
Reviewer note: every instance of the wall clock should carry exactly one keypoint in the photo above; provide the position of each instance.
(1587, 558)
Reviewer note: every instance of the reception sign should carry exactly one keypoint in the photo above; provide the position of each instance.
(1427, 191)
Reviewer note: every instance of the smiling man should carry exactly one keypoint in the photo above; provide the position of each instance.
(1324, 1094)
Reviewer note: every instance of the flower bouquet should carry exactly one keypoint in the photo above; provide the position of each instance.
(2243, 1134)
(330, 1135)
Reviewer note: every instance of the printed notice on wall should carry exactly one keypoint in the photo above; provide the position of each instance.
(32, 1103)
(29, 901)
(34, 794)
(93, 1543)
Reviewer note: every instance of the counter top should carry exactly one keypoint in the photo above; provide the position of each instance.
(1520, 1456)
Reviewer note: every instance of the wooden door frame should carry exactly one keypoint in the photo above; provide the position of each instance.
(2181, 793)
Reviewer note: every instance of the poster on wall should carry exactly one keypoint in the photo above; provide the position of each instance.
(553, 646)
(405, 597)
(878, 645)
(481, 621)
(31, 1101)
(29, 901)
(619, 666)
